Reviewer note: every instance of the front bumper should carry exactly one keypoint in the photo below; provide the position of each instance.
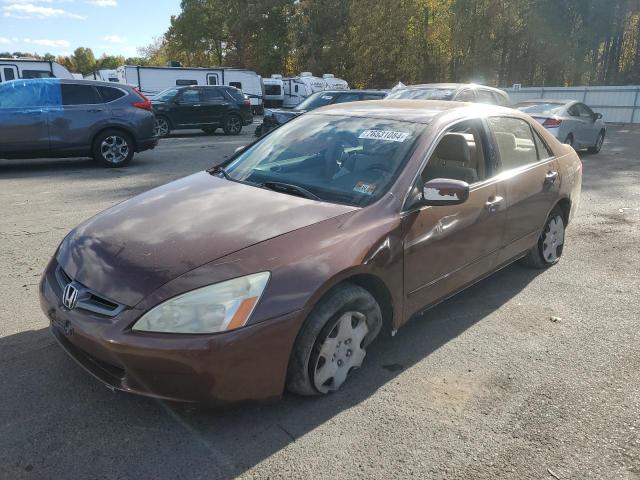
(242, 365)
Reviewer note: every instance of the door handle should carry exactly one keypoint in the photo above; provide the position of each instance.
(551, 177)
(493, 204)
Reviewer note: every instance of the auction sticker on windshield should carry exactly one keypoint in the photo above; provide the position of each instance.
(388, 135)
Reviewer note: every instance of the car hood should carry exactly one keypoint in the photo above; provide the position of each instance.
(130, 250)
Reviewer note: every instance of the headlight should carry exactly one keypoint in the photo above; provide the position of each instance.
(216, 308)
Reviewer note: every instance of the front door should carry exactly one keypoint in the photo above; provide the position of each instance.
(449, 247)
(24, 109)
(531, 179)
(187, 110)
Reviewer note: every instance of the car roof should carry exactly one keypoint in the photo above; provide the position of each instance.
(453, 86)
(415, 111)
(72, 81)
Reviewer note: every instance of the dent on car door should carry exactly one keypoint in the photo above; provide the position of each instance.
(448, 247)
(80, 115)
(530, 175)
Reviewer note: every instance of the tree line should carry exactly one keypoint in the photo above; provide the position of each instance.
(376, 43)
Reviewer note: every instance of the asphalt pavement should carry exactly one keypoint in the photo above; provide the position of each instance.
(526, 375)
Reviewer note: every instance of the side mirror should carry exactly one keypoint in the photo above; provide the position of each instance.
(444, 191)
(598, 116)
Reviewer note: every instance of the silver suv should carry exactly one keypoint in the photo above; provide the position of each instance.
(74, 118)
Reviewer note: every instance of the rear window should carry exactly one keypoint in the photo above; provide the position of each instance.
(110, 94)
(79, 94)
(36, 74)
(272, 90)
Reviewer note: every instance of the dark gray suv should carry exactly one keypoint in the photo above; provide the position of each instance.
(74, 118)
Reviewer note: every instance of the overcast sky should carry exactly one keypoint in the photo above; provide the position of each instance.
(114, 27)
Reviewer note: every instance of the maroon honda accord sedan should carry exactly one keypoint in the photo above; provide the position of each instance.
(279, 268)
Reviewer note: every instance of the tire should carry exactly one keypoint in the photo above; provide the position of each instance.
(599, 142)
(258, 132)
(162, 127)
(232, 125)
(209, 130)
(549, 247)
(113, 148)
(333, 339)
(569, 140)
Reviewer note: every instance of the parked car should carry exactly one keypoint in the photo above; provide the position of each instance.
(74, 118)
(570, 121)
(280, 267)
(207, 108)
(458, 92)
(276, 117)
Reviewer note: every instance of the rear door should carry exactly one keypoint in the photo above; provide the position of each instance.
(78, 119)
(214, 104)
(529, 173)
(24, 129)
(187, 110)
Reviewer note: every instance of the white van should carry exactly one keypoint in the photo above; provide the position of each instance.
(298, 88)
(15, 68)
(153, 80)
(273, 91)
(104, 76)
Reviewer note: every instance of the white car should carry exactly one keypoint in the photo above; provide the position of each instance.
(570, 121)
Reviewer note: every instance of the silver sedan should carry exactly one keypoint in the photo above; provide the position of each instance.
(569, 121)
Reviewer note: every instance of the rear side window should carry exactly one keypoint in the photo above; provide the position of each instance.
(211, 95)
(236, 94)
(515, 142)
(466, 96)
(543, 150)
(110, 94)
(79, 94)
(486, 97)
(36, 74)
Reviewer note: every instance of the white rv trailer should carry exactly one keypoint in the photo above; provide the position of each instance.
(334, 83)
(104, 76)
(273, 91)
(15, 68)
(152, 80)
(298, 88)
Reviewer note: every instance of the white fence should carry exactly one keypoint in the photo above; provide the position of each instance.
(617, 104)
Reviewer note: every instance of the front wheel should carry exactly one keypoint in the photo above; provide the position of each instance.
(232, 125)
(550, 245)
(113, 149)
(599, 142)
(333, 340)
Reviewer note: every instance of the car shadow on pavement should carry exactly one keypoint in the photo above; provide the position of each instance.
(56, 421)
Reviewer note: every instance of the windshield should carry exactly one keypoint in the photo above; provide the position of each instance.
(166, 95)
(317, 100)
(336, 159)
(422, 94)
(540, 108)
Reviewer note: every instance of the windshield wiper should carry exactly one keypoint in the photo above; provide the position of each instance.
(219, 169)
(290, 189)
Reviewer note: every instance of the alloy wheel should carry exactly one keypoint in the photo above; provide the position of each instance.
(341, 352)
(114, 149)
(161, 127)
(234, 125)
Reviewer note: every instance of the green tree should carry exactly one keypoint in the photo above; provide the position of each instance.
(84, 60)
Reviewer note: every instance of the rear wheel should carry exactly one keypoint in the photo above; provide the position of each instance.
(333, 340)
(550, 245)
(113, 148)
(232, 125)
(161, 127)
(599, 142)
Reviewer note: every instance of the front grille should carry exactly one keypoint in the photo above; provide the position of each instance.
(87, 299)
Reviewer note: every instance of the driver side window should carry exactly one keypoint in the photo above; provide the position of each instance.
(460, 155)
